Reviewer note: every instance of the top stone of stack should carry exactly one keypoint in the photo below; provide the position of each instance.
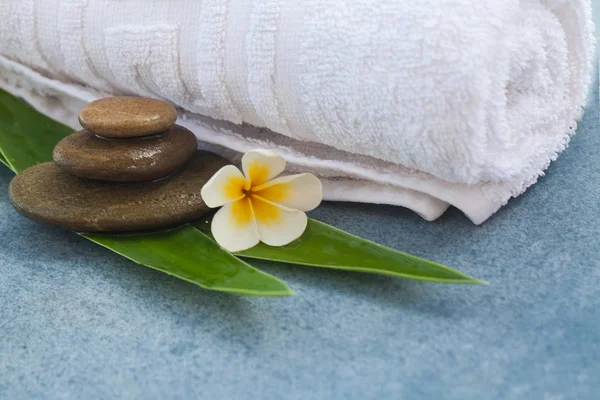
(127, 117)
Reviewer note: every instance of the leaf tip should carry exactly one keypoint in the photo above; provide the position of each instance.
(283, 292)
(287, 291)
(474, 281)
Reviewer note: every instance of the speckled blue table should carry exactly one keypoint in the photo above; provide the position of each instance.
(79, 322)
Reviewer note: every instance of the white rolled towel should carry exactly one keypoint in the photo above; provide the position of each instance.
(420, 103)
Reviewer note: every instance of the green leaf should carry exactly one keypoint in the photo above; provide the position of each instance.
(3, 160)
(27, 136)
(190, 255)
(324, 246)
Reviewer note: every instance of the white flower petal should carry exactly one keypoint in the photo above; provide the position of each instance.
(262, 165)
(226, 185)
(277, 225)
(234, 226)
(300, 192)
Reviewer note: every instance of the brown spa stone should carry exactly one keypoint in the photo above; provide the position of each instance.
(47, 194)
(125, 160)
(126, 117)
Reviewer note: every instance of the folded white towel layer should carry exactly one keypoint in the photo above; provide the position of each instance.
(421, 104)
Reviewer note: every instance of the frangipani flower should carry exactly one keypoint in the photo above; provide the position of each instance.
(257, 206)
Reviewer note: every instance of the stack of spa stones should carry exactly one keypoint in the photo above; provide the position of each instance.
(131, 168)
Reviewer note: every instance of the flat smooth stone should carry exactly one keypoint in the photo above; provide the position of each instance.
(125, 160)
(47, 194)
(126, 117)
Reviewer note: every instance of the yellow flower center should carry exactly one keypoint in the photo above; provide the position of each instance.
(255, 201)
(255, 196)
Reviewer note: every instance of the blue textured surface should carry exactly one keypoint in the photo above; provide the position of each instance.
(78, 322)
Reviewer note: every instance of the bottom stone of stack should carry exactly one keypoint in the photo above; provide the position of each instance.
(47, 194)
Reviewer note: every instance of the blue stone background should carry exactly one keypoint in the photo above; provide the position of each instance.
(79, 322)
